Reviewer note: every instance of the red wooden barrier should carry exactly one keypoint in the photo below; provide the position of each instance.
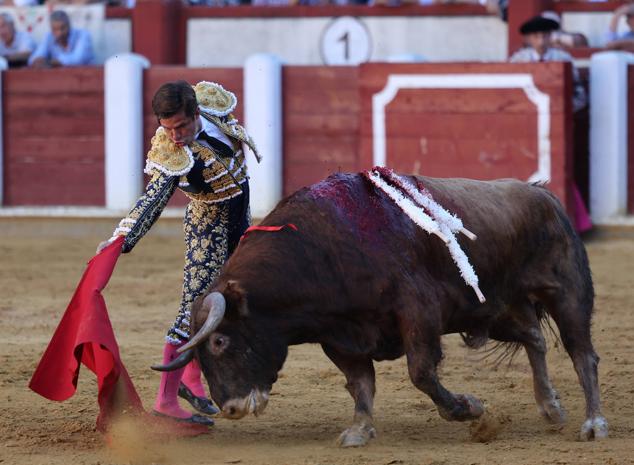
(321, 123)
(481, 133)
(53, 137)
(54, 145)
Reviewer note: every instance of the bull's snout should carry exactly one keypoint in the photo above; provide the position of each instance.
(254, 403)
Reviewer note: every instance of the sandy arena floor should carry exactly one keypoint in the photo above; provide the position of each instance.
(41, 263)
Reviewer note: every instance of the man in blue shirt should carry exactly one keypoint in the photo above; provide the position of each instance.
(625, 40)
(63, 46)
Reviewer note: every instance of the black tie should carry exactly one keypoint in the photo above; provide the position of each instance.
(216, 144)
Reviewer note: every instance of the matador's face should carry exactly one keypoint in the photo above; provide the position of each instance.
(181, 128)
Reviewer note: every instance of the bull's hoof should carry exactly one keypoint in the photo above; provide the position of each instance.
(594, 428)
(552, 411)
(467, 408)
(356, 436)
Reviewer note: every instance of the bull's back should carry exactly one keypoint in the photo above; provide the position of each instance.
(516, 223)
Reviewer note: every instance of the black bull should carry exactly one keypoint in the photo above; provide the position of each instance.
(361, 279)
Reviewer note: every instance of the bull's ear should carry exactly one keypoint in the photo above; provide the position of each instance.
(236, 298)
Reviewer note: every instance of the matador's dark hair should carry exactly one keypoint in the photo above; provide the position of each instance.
(173, 97)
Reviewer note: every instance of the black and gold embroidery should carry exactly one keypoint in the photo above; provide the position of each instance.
(215, 180)
(147, 209)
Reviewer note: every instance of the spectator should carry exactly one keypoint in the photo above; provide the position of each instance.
(15, 46)
(536, 32)
(63, 46)
(23, 3)
(564, 39)
(498, 7)
(623, 41)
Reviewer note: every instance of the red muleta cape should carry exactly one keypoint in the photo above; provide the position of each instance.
(85, 335)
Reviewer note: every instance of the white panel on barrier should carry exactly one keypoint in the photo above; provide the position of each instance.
(395, 82)
(263, 120)
(123, 86)
(608, 135)
(297, 40)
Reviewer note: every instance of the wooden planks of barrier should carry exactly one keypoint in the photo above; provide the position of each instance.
(54, 147)
(321, 123)
(486, 124)
(53, 137)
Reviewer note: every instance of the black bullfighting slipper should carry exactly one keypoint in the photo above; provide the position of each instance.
(202, 404)
(195, 419)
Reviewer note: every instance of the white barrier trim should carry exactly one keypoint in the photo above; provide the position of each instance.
(123, 100)
(263, 121)
(608, 135)
(525, 82)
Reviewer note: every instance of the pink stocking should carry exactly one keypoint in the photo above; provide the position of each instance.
(191, 379)
(167, 396)
(582, 219)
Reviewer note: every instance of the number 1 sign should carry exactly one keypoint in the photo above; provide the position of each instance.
(345, 41)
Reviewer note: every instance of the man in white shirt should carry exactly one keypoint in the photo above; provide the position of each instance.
(537, 39)
(15, 46)
(538, 47)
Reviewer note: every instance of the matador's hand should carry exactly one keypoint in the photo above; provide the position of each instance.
(104, 244)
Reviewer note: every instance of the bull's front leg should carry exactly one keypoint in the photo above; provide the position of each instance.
(422, 347)
(360, 382)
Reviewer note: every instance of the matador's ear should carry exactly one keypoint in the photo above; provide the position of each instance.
(236, 298)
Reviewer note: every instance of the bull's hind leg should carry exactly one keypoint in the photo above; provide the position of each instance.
(522, 325)
(573, 320)
(359, 372)
(422, 347)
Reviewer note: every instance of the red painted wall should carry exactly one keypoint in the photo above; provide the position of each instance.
(53, 136)
(321, 123)
(475, 133)
(54, 147)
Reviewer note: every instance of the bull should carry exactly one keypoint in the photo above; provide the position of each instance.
(362, 280)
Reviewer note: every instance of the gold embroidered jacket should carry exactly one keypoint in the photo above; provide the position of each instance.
(204, 174)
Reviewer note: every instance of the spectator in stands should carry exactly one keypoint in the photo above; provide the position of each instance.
(23, 3)
(564, 39)
(498, 7)
(623, 41)
(63, 46)
(233, 2)
(537, 38)
(15, 46)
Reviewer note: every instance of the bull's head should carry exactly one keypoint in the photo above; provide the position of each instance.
(238, 356)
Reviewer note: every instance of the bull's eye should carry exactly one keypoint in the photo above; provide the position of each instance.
(218, 343)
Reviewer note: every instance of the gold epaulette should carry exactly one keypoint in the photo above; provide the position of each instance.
(229, 126)
(167, 157)
(215, 99)
(216, 104)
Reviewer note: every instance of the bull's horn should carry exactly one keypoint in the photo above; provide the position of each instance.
(215, 305)
(179, 362)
